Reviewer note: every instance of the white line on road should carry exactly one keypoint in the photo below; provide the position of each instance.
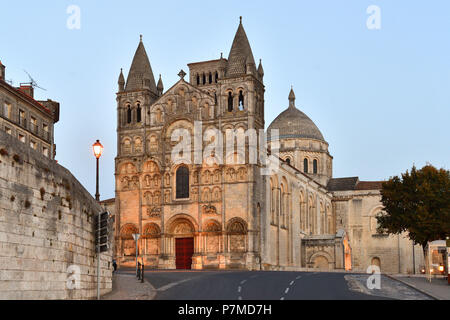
(239, 289)
(282, 298)
(287, 289)
(173, 284)
(292, 282)
(298, 277)
(239, 298)
(243, 281)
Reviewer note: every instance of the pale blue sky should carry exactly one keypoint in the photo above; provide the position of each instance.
(380, 97)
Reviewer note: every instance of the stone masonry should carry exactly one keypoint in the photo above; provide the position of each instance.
(47, 248)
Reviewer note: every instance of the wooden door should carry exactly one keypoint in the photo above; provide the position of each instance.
(184, 249)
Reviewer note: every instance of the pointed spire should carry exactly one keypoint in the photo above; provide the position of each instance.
(260, 69)
(292, 98)
(160, 86)
(141, 74)
(240, 59)
(121, 81)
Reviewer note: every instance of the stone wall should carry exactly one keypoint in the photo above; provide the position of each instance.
(356, 212)
(47, 248)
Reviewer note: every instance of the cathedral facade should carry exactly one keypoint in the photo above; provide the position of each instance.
(197, 214)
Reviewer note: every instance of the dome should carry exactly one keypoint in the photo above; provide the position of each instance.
(292, 123)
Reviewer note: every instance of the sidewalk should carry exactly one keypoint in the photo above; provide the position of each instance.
(438, 288)
(128, 287)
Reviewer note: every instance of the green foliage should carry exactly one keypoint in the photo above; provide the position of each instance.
(418, 203)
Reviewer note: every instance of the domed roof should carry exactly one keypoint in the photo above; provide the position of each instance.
(292, 123)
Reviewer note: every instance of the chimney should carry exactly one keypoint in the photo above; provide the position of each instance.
(27, 89)
(2, 72)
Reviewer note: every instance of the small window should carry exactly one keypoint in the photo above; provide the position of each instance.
(7, 110)
(8, 130)
(45, 151)
(210, 78)
(182, 183)
(204, 79)
(198, 79)
(241, 100)
(129, 114)
(33, 125)
(305, 165)
(21, 138)
(288, 161)
(138, 113)
(216, 77)
(230, 102)
(33, 144)
(315, 166)
(22, 120)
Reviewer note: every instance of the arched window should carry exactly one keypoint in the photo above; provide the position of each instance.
(210, 78)
(138, 113)
(230, 102)
(182, 183)
(129, 114)
(204, 79)
(315, 166)
(241, 100)
(198, 79)
(288, 161)
(216, 77)
(305, 165)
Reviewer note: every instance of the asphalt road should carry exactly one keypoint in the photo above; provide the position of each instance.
(267, 285)
(247, 285)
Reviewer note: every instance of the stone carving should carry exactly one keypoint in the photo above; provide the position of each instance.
(209, 209)
(154, 212)
(182, 228)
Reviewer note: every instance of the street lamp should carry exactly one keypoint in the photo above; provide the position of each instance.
(98, 149)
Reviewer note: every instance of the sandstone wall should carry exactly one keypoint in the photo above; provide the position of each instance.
(357, 210)
(47, 248)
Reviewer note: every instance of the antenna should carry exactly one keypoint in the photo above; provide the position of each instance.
(32, 82)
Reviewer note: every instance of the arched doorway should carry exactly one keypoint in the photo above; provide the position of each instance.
(183, 232)
(128, 245)
(321, 263)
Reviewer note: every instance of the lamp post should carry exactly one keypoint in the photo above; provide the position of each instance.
(98, 149)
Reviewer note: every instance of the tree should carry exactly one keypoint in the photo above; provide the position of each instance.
(417, 203)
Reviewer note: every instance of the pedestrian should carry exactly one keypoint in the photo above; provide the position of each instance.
(114, 265)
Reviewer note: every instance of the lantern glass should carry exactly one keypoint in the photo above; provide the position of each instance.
(98, 149)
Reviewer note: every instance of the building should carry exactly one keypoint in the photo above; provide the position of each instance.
(26, 119)
(224, 213)
(47, 219)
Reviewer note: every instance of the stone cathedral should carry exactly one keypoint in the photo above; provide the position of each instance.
(228, 215)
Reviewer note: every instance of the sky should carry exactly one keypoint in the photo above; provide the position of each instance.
(376, 85)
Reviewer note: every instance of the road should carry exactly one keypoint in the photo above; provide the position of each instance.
(267, 285)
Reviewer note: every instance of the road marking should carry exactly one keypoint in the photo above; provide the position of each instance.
(173, 284)
(282, 298)
(292, 282)
(243, 281)
(298, 277)
(254, 276)
(239, 298)
(287, 289)
(239, 289)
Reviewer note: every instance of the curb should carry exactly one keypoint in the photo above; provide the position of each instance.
(152, 294)
(413, 286)
(153, 289)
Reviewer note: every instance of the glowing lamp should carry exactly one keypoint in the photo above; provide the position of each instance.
(98, 149)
